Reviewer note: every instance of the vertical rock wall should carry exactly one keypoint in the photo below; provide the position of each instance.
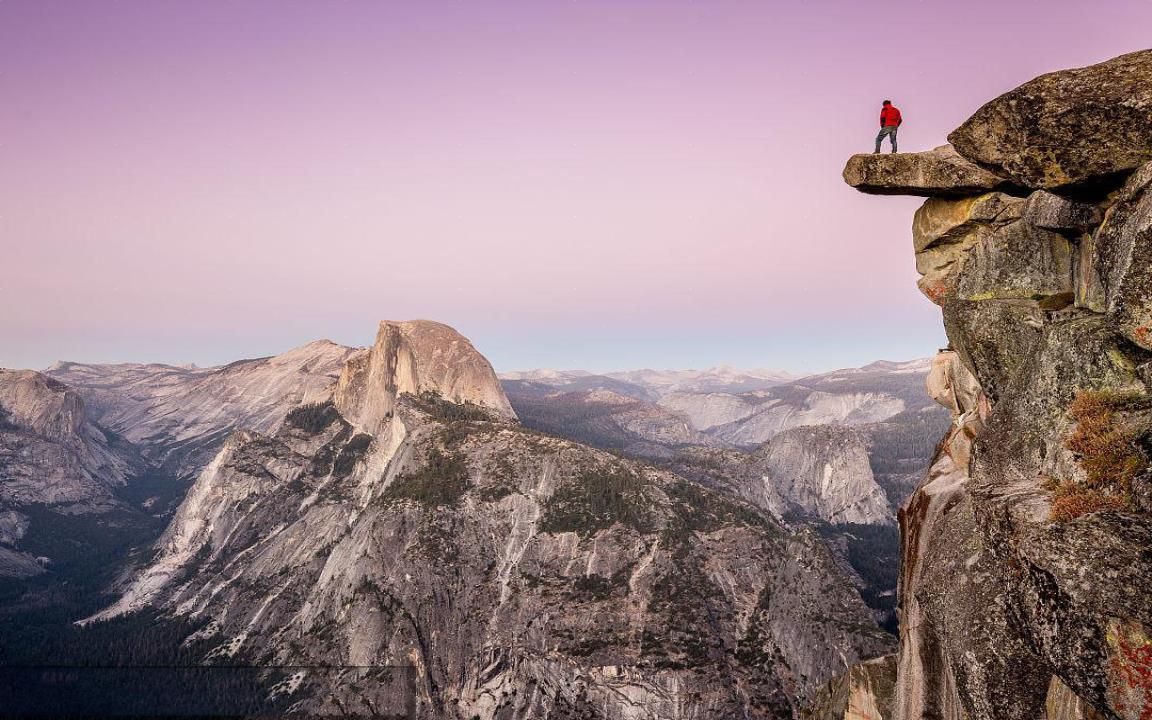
(1027, 558)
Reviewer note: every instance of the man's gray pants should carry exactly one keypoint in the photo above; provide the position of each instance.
(889, 131)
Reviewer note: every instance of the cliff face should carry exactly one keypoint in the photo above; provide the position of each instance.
(51, 455)
(179, 415)
(821, 472)
(50, 452)
(504, 573)
(413, 358)
(1027, 550)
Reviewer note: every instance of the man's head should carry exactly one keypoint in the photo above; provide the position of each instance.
(887, 103)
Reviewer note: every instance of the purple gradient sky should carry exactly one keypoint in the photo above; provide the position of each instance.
(592, 184)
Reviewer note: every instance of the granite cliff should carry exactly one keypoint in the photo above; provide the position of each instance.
(1027, 549)
(178, 416)
(411, 546)
(51, 456)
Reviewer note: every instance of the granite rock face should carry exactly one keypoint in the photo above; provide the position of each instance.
(1067, 128)
(865, 692)
(1121, 259)
(50, 451)
(507, 574)
(1027, 550)
(51, 456)
(416, 357)
(818, 472)
(934, 173)
(179, 416)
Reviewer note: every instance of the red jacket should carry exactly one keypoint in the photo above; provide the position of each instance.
(890, 116)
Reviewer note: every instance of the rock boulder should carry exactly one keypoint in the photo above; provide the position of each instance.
(1067, 128)
(935, 173)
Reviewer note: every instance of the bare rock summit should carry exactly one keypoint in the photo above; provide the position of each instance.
(416, 357)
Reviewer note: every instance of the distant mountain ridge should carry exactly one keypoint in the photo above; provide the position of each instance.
(181, 414)
(336, 485)
(411, 521)
(701, 408)
(659, 382)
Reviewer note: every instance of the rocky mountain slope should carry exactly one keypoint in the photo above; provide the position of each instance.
(180, 415)
(1026, 552)
(821, 471)
(51, 454)
(884, 402)
(722, 378)
(843, 479)
(411, 522)
(857, 396)
(101, 451)
(609, 419)
(734, 408)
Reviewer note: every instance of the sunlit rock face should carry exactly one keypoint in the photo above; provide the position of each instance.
(1066, 129)
(1026, 562)
(416, 357)
(180, 416)
(50, 451)
(865, 692)
(934, 173)
(818, 472)
(510, 574)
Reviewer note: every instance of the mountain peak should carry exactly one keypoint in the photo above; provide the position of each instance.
(40, 403)
(416, 356)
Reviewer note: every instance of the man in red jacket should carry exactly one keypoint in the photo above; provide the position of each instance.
(889, 123)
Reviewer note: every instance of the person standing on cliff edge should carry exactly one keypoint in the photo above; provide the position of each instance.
(890, 121)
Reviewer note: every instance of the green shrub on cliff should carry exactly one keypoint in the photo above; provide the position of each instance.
(444, 410)
(5, 420)
(313, 417)
(442, 480)
(596, 500)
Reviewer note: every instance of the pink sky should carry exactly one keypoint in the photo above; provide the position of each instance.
(592, 184)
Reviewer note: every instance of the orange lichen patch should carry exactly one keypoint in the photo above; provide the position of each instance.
(1129, 670)
(1143, 336)
(1105, 446)
(934, 291)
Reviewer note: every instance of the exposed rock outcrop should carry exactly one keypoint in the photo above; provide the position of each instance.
(1119, 263)
(506, 573)
(181, 415)
(775, 414)
(1066, 128)
(934, 173)
(865, 692)
(416, 357)
(1026, 562)
(817, 472)
(50, 452)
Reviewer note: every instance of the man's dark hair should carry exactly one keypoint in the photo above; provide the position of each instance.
(887, 102)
